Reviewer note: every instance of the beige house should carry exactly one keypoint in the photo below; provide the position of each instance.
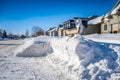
(71, 28)
(111, 21)
(74, 26)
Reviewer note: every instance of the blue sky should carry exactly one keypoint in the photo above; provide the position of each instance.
(18, 15)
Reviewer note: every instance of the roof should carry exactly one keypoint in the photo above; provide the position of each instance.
(60, 26)
(82, 18)
(53, 29)
(115, 8)
(106, 16)
(92, 17)
(95, 21)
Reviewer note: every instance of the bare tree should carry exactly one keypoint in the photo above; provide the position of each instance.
(27, 33)
(4, 34)
(37, 31)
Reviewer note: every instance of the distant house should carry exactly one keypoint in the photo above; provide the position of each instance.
(94, 26)
(53, 31)
(61, 31)
(111, 21)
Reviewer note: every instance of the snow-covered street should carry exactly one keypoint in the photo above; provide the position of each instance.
(89, 57)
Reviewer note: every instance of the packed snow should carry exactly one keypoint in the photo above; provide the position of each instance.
(91, 57)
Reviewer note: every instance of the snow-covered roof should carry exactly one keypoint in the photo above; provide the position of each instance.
(106, 16)
(114, 11)
(95, 21)
(116, 7)
(54, 29)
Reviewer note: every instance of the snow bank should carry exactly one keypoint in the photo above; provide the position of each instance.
(106, 38)
(80, 57)
(83, 59)
(95, 21)
(113, 42)
(26, 44)
(38, 47)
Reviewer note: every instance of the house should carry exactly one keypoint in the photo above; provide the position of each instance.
(94, 26)
(52, 32)
(74, 25)
(61, 31)
(111, 21)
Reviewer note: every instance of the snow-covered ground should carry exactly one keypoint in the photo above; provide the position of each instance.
(91, 57)
(26, 68)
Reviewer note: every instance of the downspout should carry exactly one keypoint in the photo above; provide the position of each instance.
(118, 23)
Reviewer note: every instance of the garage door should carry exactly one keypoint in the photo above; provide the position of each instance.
(115, 27)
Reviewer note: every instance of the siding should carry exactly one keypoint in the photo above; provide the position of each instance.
(91, 29)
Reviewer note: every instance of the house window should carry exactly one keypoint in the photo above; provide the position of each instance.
(105, 27)
(84, 23)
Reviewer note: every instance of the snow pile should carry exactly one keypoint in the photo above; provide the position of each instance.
(26, 44)
(83, 59)
(79, 57)
(38, 47)
(113, 42)
(95, 21)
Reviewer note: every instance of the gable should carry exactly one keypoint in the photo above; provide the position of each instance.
(116, 8)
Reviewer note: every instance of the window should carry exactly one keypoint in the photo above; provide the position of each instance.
(84, 23)
(105, 27)
(72, 25)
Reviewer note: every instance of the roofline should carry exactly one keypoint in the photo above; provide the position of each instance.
(115, 5)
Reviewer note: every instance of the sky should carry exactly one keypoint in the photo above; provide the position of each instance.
(17, 16)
